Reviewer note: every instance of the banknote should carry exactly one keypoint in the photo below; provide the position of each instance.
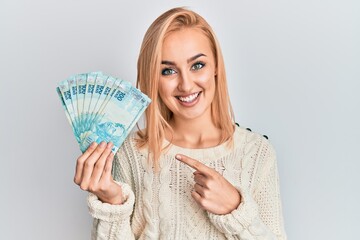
(90, 87)
(102, 97)
(101, 108)
(81, 90)
(73, 93)
(117, 117)
(64, 93)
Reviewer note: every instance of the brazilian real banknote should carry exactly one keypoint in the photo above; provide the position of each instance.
(101, 108)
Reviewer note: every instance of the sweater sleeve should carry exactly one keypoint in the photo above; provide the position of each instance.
(112, 222)
(259, 214)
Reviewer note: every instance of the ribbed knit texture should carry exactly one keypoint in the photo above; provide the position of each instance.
(159, 204)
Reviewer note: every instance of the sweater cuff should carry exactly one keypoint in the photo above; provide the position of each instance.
(112, 213)
(240, 218)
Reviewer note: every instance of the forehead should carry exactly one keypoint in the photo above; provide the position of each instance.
(185, 43)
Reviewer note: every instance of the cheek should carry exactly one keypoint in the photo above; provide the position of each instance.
(162, 94)
(166, 89)
(207, 80)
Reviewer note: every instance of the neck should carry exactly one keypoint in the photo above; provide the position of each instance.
(195, 133)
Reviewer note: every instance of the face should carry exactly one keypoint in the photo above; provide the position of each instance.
(187, 78)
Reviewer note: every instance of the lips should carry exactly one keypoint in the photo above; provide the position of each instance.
(189, 98)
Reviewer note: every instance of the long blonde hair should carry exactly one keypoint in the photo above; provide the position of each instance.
(149, 61)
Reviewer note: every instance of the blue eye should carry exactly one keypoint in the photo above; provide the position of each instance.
(167, 71)
(197, 66)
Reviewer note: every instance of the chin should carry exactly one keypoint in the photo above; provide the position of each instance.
(193, 114)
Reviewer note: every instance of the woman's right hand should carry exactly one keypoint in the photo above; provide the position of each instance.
(93, 173)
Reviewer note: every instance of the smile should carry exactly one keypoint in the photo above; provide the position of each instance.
(190, 98)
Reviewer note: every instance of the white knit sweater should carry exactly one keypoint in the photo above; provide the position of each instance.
(159, 204)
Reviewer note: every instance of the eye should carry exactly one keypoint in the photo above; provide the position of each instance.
(197, 66)
(167, 71)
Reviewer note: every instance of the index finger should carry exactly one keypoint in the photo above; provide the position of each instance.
(194, 164)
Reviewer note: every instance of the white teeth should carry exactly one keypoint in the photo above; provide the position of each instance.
(189, 98)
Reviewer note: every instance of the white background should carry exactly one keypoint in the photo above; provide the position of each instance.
(293, 70)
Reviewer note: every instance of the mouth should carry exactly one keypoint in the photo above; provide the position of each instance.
(189, 98)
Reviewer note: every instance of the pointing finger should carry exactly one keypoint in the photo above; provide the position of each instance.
(194, 164)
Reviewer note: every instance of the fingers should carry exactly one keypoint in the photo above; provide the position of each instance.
(194, 164)
(106, 175)
(203, 202)
(100, 163)
(197, 197)
(200, 179)
(212, 192)
(80, 162)
(199, 189)
(86, 171)
(89, 165)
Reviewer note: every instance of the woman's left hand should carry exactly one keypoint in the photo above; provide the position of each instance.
(211, 190)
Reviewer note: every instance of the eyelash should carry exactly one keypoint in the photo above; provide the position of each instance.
(166, 71)
(197, 64)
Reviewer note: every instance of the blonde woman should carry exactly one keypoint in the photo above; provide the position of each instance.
(191, 173)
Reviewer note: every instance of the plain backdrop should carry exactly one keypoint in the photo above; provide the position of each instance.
(293, 70)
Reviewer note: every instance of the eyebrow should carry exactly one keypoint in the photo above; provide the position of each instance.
(166, 62)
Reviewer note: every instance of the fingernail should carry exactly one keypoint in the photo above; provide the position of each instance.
(110, 145)
(102, 144)
(178, 157)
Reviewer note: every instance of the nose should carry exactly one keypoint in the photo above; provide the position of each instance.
(185, 82)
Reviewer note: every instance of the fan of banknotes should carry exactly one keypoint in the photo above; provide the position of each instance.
(101, 108)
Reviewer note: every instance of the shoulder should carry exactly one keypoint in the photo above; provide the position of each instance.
(246, 130)
(256, 147)
(250, 137)
(258, 156)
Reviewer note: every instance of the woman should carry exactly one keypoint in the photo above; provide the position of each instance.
(191, 173)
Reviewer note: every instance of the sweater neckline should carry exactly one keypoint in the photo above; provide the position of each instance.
(201, 153)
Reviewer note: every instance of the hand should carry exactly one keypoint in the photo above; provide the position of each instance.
(93, 173)
(211, 190)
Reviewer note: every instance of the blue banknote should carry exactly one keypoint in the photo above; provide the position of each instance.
(64, 93)
(101, 108)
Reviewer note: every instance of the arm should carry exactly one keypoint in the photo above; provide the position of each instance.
(113, 221)
(259, 215)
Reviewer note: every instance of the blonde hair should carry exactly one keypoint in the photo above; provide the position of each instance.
(149, 61)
